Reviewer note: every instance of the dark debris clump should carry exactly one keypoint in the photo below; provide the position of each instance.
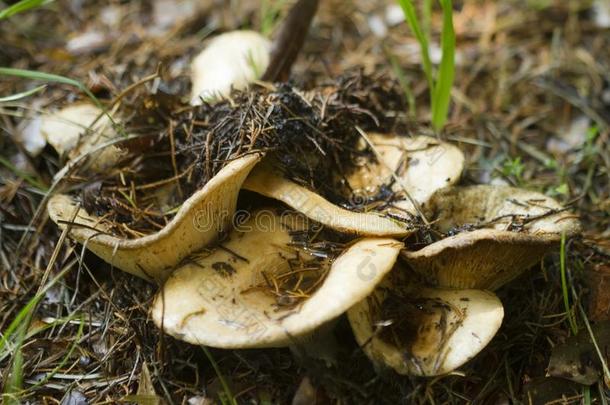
(310, 134)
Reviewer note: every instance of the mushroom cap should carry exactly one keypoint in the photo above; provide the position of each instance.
(424, 331)
(263, 180)
(200, 219)
(230, 60)
(217, 300)
(422, 163)
(499, 235)
(73, 130)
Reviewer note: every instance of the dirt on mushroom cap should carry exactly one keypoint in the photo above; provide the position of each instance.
(202, 217)
(413, 168)
(490, 235)
(239, 308)
(179, 148)
(424, 331)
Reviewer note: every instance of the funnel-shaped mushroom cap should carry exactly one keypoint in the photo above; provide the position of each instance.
(232, 297)
(497, 233)
(425, 331)
(422, 163)
(198, 222)
(231, 60)
(264, 181)
(73, 130)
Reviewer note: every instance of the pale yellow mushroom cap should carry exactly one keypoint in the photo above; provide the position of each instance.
(498, 232)
(231, 60)
(73, 130)
(265, 181)
(422, 164)
(204, 215)
(226, 298)
(424, 331)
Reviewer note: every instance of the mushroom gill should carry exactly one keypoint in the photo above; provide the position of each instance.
(492, 234)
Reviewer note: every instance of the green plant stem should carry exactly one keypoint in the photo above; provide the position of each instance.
(21, 6)
(19, 96)
(564, 285)
(413, 21)
(442, 86)
(223, 382)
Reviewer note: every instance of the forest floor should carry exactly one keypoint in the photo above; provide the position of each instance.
(530, 108)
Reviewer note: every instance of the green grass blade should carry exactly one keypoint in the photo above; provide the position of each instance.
(404, 82)
(21, 6)
(586, 393)
(19, 327)
(24, 94)
(14, 382)
(270, 11)
(442, 89)
(427, 18)
(230, 398)
(65, 358)
(564, 285)
(49, 77)
(24, 313)
(34, 182)
(19, 319)
(413, 21)
(600, 351)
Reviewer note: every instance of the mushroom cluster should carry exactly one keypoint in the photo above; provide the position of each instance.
(415, 276)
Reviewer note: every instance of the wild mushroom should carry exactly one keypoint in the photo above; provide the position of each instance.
(492, 234)
(73, 130)
(418, 165)
(421, 165)
(230, 61)
(264, 181)
(233, 296)
(424, 331)
(198, 222)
